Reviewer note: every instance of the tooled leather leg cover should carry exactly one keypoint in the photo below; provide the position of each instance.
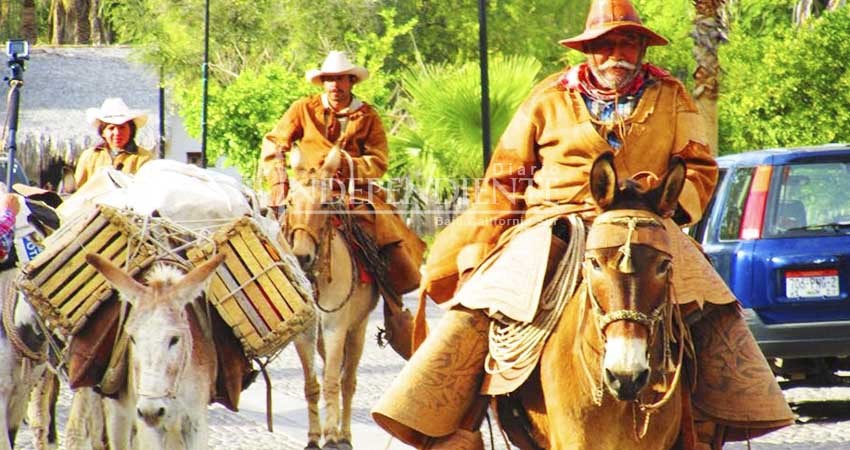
(459, 440)
(436, 388)
(735, 385)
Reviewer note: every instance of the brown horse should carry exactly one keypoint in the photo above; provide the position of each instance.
(609, 376)
(343, 300)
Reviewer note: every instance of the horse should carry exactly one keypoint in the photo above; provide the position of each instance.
(24, 378)
(609, 376)
(343, 300)
(172, 363)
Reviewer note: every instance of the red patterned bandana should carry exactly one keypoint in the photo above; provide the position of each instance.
(580, 77)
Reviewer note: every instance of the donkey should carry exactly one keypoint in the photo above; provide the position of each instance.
(344, 302)
(23, 371)
(609, 376)
(172, 361)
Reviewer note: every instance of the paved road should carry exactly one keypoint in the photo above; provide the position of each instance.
(824, 412)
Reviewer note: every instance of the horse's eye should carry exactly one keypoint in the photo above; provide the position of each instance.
(595, 263)
(663, 267)
(174, 340)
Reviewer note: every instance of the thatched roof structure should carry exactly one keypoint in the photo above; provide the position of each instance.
(61, 82)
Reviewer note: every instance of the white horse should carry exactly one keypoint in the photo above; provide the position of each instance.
(23, 368)
(344, 303)
(172, 363)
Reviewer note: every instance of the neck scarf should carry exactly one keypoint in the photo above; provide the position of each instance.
(581, 78)
(337, 121)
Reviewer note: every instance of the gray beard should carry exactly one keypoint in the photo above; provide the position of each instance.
(608, 84)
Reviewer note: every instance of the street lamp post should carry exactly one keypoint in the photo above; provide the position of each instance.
(485, 83)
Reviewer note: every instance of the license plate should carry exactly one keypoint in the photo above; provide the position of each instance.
(811, 283)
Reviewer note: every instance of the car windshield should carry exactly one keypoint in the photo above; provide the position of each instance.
(809, 199)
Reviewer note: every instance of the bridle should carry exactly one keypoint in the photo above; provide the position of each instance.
(170, 392)
(322, 243)
(662, 316)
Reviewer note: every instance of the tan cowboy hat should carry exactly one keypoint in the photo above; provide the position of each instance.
(115, 111)
(609, 15)
(337, 63)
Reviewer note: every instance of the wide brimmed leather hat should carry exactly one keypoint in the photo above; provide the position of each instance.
(337, 63)
(609, 15)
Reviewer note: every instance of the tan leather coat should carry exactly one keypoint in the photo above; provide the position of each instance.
(306, 123)
(96, 157)
(543, 159)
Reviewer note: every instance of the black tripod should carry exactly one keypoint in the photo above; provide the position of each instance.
(18, 53)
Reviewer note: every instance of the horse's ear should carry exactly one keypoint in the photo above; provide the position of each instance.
(603, 180)
(193, 283)
(331, 164)
(671, 187)
(130, 289)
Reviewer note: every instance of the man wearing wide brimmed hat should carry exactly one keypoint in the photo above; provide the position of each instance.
(613, 102)
(117, 126)
(338, 119)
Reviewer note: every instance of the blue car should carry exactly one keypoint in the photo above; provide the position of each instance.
(778, 232)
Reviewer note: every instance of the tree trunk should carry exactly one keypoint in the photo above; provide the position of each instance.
(58, 23)
(710, 30)
(82, 26)
(29, 22)
(97, 32)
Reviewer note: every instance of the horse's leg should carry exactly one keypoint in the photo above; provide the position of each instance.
(353, 353)
(305, 345)
(334, 352)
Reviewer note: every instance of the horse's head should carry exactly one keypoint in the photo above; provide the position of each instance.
(306, 223)
(627, 271)
(159, 330)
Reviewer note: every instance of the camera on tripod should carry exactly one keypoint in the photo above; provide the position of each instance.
(18, 49)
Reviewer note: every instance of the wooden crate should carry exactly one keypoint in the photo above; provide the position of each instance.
(62, 287)
(256, 291)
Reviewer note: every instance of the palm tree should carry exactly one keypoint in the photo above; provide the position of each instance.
(710, 31)
(29, 22)
(805, 9)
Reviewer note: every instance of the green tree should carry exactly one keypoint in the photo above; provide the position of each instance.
(790, 87)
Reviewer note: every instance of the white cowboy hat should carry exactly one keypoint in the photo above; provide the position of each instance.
(337, 63)
(115, 111)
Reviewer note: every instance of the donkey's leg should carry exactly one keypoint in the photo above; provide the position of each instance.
(118, 419)
(41, 413)
(334, 352)
(305, 345)
(76, 430)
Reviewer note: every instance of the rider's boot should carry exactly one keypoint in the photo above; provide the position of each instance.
(709, 435)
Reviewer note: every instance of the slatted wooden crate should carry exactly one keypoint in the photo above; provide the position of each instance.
(263, 296)
(62, 287)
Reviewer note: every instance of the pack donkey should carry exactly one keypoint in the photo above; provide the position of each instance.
(172, 363)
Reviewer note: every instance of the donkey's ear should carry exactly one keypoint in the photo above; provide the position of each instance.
(194, 283)
(331, 164)
(671, 187)
(130, 289)
(603, 180)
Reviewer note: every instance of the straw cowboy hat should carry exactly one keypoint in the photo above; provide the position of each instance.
(337, 63)
(115, 111)
(610, 15)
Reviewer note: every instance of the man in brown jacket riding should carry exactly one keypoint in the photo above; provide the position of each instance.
(614, 102)
(337, 118)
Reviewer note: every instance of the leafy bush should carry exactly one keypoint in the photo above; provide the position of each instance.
(787, 89)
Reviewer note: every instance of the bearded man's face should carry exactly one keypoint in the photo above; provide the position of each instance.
(615, 57)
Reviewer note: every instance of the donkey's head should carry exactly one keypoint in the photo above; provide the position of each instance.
(306, 223)
(159, 331)
(627, 270)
